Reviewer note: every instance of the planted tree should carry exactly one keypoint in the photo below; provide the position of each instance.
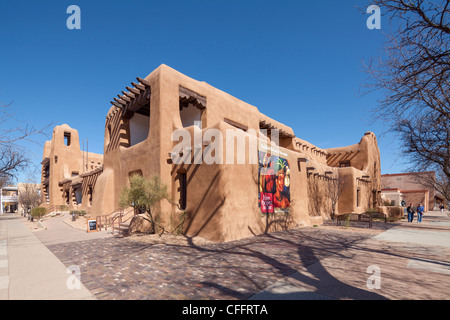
(143, 195)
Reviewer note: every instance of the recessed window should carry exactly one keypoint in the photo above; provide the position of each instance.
(90, 195)
(67, 138)
(345, 163)
(56, 159)
(358, 196)
(135, 172)
(192, 108)
(183, 190)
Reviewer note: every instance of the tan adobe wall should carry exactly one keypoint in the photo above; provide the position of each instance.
(222, 199)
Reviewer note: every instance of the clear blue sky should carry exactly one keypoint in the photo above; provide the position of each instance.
(299, 62)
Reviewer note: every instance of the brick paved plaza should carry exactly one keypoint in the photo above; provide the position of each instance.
(328, 261)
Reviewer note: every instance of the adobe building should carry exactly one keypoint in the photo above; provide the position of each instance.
(280, 180)
(68, 173)
(410, 187)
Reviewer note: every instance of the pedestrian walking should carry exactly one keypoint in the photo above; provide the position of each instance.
(441, 207)
(420, 210)
(410, 210)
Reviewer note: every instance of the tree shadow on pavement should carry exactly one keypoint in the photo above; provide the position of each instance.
(284, 254)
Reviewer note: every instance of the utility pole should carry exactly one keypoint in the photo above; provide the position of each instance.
(87, 153)
(83, 155)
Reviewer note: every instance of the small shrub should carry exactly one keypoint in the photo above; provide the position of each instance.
(38, 212)
(347, 221)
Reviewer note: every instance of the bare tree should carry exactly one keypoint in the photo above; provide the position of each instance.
(414, 78)
(29, 196)
(426, 141)
(13, 155)
(436, 181)
(335, 188)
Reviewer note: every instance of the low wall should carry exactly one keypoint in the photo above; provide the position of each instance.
(392, 211)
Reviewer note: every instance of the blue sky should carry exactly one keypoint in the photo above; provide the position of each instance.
(299, 62)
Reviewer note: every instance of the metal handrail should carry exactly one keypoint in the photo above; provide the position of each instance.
(107, 219)
(120, 219)
(114, 219)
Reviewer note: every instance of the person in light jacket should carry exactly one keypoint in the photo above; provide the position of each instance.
(420, 210)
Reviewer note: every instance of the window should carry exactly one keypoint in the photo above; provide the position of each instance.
(56, 159)
(90, 191)
(192, 108)
(191, 116)
(182, 189)
(358, 197)
(345, 163)
(67, 138)
(78, 195)
(139, 128)
(135, 172)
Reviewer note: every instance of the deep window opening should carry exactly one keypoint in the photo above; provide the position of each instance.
(67, 138)
(183, 190)
(192, 108)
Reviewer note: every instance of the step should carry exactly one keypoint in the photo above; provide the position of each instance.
(121, 227)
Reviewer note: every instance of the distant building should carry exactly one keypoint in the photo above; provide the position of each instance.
(410, 188)
(64, 166)
(9, 199)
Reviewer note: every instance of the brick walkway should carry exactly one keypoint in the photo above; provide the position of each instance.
(116, 268)
(327, 261)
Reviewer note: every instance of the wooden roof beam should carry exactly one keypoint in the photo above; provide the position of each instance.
(144, 82)
(129, 95)
(114, 103)
(124, 98)
(134, 90)
(122, 102)
(138, 86)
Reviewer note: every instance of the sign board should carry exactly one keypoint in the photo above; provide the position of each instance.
(92, 226)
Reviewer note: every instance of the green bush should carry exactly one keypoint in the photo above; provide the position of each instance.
(63, 207)
(38, 212)
(78, 213)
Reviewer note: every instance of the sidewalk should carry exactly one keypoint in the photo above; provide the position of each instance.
(28, 270)
(413, 260)
(57, 230)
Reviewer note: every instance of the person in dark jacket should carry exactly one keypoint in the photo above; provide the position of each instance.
(411, 212)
